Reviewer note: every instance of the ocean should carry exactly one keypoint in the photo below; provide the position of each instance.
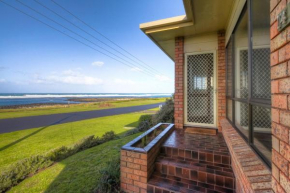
(8, 99)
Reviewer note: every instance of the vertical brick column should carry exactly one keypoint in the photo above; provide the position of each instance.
(280, 89)
(134, 171)
(179, 83)
(221, 75)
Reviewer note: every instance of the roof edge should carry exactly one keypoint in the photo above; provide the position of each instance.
(188, 17)
(163, 22)
(169, 23)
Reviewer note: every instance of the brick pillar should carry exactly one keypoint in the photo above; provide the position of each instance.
(280, 89)
(221, 74)
(179, 81)
(134, 171)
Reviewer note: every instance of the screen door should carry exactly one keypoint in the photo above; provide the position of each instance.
(200, 89)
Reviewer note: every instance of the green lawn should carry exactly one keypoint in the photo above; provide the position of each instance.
(77, 173)
(22, 144)
(13, 113)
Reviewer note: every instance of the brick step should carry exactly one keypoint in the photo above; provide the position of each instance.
(168, 184)
(218, 157)
(201, 130)
(200, 171)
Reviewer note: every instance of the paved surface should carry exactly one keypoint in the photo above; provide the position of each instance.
(16, 124)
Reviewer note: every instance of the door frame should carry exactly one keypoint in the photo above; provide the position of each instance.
(214, 88)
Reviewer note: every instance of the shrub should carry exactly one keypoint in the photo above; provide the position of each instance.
(109, 136)
(130, 132)
(144, 126)
(145, 122)
(20, 170)
(165, 114)
(86, 143)
(145, 118)
(58, 153)
(110, 177)
(29, 166)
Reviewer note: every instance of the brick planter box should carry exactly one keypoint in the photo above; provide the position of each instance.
(137, 164)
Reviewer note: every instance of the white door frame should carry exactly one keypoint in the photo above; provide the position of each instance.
(214, 87)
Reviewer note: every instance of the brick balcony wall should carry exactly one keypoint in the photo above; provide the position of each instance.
(252, 175)
(221, 73)
(136, 169)
(179, 83)
(280, 89)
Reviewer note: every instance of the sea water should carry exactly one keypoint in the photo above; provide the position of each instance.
(8, 99)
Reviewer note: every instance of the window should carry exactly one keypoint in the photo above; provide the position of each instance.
(248, 78)
(241, 58)
(200, 83)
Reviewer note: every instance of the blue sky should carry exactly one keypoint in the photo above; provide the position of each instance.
(37, 59)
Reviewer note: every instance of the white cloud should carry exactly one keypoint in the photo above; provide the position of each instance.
(163, 78)
(136, 69)
(98, 63)
(71, 73)
(2, 80)
(68, 77)
(82, 80)
(123, 81)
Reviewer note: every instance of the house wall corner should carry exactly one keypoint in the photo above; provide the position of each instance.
(221, 79)
(280, 89)
(179, 83)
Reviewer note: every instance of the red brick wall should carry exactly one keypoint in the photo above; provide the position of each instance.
(136, 169)
(280, 88)
(133, 171)
(221, 74)
(251, 173)
(179, 81)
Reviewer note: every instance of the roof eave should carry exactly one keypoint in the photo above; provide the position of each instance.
(169, 24)
(158, 45)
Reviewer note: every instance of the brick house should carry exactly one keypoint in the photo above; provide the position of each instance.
(232, 101)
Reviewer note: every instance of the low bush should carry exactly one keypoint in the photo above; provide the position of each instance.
(145, 118)
(19, 171)
(131, 132)
(165, 114)
(109, 136)
(144, 126)
(29, 166)
(110, 177)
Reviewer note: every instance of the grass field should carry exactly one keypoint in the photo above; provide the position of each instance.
(13, 113)
(22, 144)
(77, 173)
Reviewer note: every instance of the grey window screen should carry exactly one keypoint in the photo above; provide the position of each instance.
(230, 109)
(261, 73)
(261, 117)
(242, 117)
(200, 90)
(243, 90)
(262, 130)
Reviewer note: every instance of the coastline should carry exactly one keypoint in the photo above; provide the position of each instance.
(32, 100)
(33, 105)
(74, 101)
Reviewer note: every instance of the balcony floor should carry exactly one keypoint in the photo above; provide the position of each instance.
(207, 143)
(193, 163)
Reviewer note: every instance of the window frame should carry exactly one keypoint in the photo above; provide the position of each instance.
(250, 101)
